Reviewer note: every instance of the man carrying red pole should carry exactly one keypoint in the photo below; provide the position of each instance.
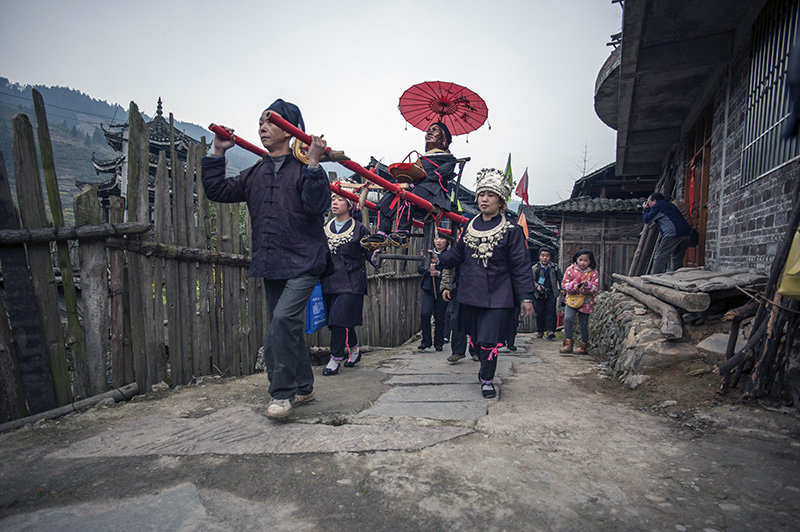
(287, 200)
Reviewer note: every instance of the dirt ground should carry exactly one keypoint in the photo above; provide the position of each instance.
(564, 448)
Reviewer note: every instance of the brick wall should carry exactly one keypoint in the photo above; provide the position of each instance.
(753, 217)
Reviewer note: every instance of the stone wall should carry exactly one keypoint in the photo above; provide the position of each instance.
(629, 335)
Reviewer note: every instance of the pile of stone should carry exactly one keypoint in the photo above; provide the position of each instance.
(640, 324)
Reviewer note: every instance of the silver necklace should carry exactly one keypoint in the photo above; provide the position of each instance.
(336, 240)
(482, 243)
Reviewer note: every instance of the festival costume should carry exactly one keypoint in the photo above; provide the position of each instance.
(495, 275)
(344, 289)
(289, 250)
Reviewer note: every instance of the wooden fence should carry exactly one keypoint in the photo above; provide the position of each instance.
(163, 296)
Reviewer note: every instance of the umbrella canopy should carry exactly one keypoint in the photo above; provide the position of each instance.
(460, 109)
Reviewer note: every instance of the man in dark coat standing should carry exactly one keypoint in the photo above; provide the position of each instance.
(675, 232)
(286, 200)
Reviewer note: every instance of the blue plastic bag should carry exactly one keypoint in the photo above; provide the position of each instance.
(316, 317)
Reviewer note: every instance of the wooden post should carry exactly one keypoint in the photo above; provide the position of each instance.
(27, 360)
(76, 340)
(31, 209)
(688, 301)
(94, 290)
(121, 359)
(207, 337)
(192, 241)
(140, 279)
(164, 232)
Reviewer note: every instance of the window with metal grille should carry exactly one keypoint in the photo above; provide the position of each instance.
(768, 100)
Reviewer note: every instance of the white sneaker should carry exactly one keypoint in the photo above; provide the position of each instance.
(279, 408)
(300, 398)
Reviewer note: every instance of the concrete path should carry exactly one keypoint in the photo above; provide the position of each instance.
(404, 441)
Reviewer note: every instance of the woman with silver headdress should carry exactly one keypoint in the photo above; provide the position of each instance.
(495, 274)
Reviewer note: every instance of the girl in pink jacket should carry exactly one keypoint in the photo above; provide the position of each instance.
(581, 283)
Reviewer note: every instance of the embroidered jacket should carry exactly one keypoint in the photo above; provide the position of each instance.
(349, 272)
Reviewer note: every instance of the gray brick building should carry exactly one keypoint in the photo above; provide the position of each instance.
(697, 94)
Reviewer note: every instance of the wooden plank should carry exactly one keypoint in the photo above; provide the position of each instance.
(688, 301)
(161, 217)
(703, 281)
(226, 289)
(671, 325)
(121, 359)
(179, 231)
(192, 164)
(164, 233)
(140, 293)
(76, 338)
(59, 234)
(21, 331)
(94, 290)
(235, 299)
(31, 209)
(205, 274)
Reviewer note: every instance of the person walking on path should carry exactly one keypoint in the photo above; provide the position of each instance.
(432, 302)
(675, 232)
(495, 274)
(581, 283)
(547, 277)
(345, 287)
(286, 200)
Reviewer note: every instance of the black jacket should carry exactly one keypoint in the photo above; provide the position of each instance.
(428, 282)
(504, 282)
(286, 210)
(349, 272)
(552, 280)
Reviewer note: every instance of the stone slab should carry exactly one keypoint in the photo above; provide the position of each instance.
(239, 430)
(423, 365)
(464, 410)
(716, 344)
(434, 393)
(178, 508)
(436, 378)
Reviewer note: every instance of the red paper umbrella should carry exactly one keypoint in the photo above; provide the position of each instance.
(461, 110)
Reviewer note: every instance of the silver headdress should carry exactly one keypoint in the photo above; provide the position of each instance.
(493, 180)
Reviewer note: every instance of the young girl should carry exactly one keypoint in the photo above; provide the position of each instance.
(345, 288)
(495, 274)
(581, 283)
(432, 302)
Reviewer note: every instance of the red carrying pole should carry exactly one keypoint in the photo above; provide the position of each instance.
(360, 170)
(363, 172)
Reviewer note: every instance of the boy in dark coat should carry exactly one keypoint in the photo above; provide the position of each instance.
(287, 200)
(495, 274)
(344, 289)
(547, 278)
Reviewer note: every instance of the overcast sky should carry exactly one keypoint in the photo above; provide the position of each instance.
(345, 64)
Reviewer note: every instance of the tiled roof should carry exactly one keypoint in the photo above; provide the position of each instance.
(587, 205)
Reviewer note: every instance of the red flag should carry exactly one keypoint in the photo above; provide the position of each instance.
(522, 188)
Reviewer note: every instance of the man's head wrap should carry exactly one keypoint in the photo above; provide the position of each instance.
(289, 111)
(448, 138)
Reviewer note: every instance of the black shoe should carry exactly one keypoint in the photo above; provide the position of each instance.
(349, 364)
(488, 391)
(475, 358)
(539, 335)
(511, 347)
(328, 372)
(398, 239)
(422, 347)
(455, 358)
(446, 340)
(551, 336)
(439, 348)
(375, 241)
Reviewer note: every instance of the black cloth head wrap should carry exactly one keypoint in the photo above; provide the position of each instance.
(289, 111)
(447, 136)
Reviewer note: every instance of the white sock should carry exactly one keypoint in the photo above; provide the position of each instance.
(353, 354)
(333, 363)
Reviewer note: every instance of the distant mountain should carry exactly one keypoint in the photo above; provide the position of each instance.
(75, 120)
